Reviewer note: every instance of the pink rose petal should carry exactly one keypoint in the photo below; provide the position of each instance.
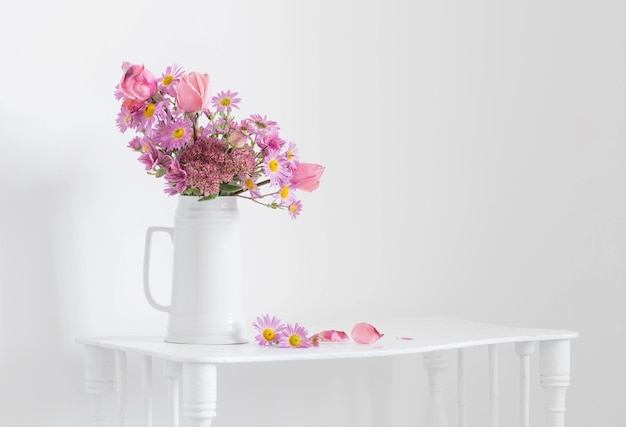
(333, 336)
(364, 333)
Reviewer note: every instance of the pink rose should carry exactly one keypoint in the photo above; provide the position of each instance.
(306, 176)
(137, 82)
(237, 139)
(193, 92)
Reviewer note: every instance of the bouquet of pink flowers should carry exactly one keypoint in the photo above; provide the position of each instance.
(192, 141)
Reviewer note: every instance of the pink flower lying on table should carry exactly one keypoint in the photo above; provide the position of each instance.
(272, 332)
(269, 329)
(294, 336)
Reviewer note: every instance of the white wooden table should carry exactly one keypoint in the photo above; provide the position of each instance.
(192, 382)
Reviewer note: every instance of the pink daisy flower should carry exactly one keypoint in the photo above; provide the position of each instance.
(167, 82)
(152, 158)
(124, 121)
(295, 208)
(176, 178)
(285, 196)
(148, 116)
(118, 94)
(269, 329)
(173, 135)
(249, 184)
(225, 101)
(260, 125)
(294, 336)
(277, 169)
(271, 140)
(137, 143)
(292, 155)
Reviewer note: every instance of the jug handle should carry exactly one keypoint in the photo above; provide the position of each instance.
(146, 265)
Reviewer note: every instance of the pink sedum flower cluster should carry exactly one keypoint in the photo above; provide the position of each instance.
(192, 141)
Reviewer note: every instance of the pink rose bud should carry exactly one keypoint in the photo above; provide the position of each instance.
(237, 139)
(364, 333)
(306, 176)
(193, 92)
(137, 82)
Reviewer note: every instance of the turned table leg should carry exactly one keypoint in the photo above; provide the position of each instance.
(435, 364)
(100, 384)
(199, 394)
(554, 365)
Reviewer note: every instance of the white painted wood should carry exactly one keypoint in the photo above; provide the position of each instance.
(120, 370)
(554, 362)
(99, 383)
(427, 334)
(435, 364)
(494, 383)
(173, 372)
(524, 350)
(147, 390)
(461, 388)
(430, 336)
(199, 394)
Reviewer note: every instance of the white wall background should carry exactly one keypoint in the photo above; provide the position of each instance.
(475, 168)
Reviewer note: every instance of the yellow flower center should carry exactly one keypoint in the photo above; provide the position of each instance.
(295, 340)
(225, 102)
(290, 155)
(179, 133)
(250, 184)
(269, 334)
(273, 165)
(284, 193)
(149, 111)
(293, 208)
(167, 80)
(144, 149)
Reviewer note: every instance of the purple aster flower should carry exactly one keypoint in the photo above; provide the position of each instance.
(277, 169)
(294, 336)
(137, 143)
(124, 120)
(152, 158)
(295, 208)
(225, 101)
(285, 196)
(167, 82)
(271, 140)
(249, 184)
(260, 125)
(148, 115)
(173, 135)
(176, 178)
(269, 329)
(292, 155)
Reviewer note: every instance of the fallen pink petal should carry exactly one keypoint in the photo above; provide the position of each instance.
(333, 336)
(364, 333)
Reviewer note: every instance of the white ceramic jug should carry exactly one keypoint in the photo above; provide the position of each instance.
(206, 305)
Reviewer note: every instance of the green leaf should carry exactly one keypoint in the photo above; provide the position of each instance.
(211, 197)
(160, 172)
(229, 188)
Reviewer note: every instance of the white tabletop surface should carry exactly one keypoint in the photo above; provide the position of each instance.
(401, 336)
